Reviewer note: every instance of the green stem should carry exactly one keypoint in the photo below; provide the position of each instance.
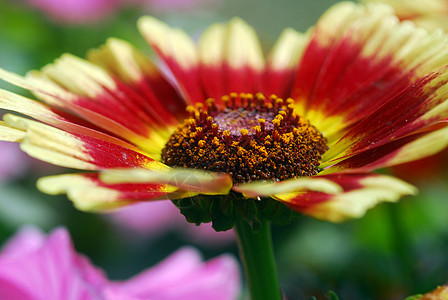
(257, 254)
(403, 248)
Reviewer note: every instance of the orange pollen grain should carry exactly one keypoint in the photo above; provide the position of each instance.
(251, 137)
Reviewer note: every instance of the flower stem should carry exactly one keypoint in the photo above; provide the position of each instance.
(402, 245)
(257, 254)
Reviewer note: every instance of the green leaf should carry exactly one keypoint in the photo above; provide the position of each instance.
(332, 296)
(224, 210)
(415, 297)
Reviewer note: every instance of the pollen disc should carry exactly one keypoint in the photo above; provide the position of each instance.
(249, 137)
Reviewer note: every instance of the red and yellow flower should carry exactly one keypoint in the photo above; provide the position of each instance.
(306, 125)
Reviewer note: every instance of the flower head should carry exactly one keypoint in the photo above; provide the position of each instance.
(35, 266)
(303, 127)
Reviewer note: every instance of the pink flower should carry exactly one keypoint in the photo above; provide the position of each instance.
(153, 218)
(91, 11)
(35, 266)
(182, 276)
(12, 162)
(75, 11)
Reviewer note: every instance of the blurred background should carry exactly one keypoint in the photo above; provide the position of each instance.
(394, 251)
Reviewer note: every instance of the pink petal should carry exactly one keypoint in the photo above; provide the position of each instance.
(157, 217)
(48, 269)
(26, 241)
(75, 11)
(12, 161)
(148, 218)
(183, 276)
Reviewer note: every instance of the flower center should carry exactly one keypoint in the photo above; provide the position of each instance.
(249, 137)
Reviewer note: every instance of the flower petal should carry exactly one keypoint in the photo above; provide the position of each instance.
(61, 120)
(187, 277)
(265, 189)
(89, 193)
(77, 150)
(430, 14)
(154, 94)
(358, 58)
(400, 151)
(10, 134)
(27, 240)
(189, 180)
(282, 63)
(178, 51)
(42, 112)
(102, 99)
(86, 90)
(420, 105)
(231, 59)
(360, 193)
(50, 269)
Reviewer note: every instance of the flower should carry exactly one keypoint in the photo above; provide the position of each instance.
(429, 14)
(306, 126)
(12, 162)
(75, 11)
(34, 266)
(150, 219)
(91, 11)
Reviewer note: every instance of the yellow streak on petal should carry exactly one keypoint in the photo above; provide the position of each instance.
(235, 43)
(411, 8)
(86, 195)
(37, 110)
(333, 21)
(332, 127)
(156, 141)
(373, 29)
(121, 58)
(79, 76)
(354, 204)
(54, 94)
(36, 82)
(60, 147)
(193, 181)
(436, 98)
(10, 134)
(430, 144)
(211, 45)
(51, 145)
(411, 49)
(173, 42)
(55, 156)
(286, 187)
(32, 108)
(244, 47)
(288, 49)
